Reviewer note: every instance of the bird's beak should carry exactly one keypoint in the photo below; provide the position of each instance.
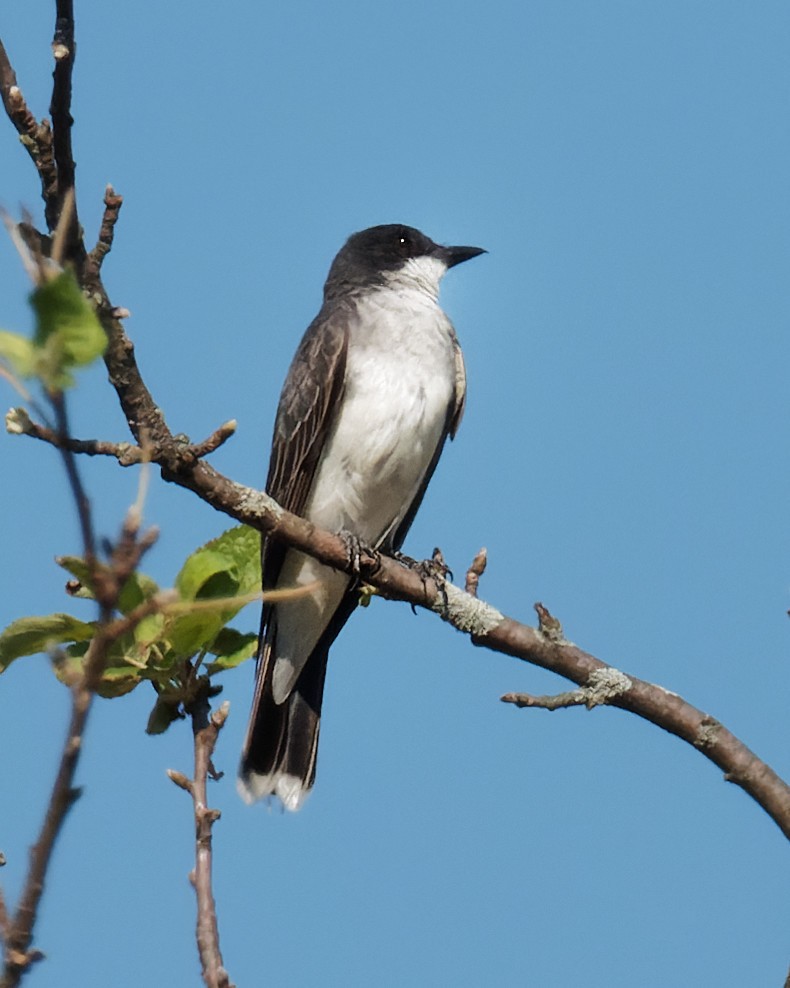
(455, 255)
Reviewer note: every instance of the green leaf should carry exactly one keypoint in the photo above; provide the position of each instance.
(137, 588)
(19, 352)
(149, 630)
(30, 635)
(68, 333)
(191, 633)
(228, 566)
(128, 665)
(118, 681)
(235, 553)
(232, 648)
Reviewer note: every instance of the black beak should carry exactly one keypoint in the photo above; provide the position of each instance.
(456, 255)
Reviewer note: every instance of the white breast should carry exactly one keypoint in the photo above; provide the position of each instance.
(400, 382)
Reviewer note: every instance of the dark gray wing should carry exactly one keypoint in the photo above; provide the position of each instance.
(282, 738)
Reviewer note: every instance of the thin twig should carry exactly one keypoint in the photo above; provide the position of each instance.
(573, 698)
(35, 137)
(205, 728)
(112, 207)
(58, 403)
(20, 423)
(603, 686)
(475, 571)
(215, 440)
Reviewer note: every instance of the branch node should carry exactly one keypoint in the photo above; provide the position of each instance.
(467, 613)
(548, 625)
(708, 734)
(605, 685)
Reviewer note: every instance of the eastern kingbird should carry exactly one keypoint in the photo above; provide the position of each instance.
(374, 390)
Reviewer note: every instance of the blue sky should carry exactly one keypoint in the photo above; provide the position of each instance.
(624, 457)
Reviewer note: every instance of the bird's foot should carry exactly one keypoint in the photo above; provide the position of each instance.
(435, 569)
(356, 549)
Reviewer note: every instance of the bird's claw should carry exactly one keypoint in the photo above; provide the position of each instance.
(435, 569)
(355, 549)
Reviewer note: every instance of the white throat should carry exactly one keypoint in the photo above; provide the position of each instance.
(421, 273)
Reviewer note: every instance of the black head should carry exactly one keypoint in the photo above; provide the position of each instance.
(370, 255)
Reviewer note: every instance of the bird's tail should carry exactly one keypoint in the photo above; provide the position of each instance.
(279, 754)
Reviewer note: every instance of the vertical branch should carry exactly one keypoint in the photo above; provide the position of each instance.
(64, 51)
(206, 731)
(75, 482)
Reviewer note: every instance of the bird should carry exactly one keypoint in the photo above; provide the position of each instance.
(376, 387)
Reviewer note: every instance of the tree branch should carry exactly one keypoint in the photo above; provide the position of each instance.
(206, 730)
(488, 628)
(18, 422)
(36, 137)
(64, 51)
(109, 581)
(112, 207)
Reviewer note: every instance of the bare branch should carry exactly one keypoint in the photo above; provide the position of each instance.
(206, 728)
(19, 423)
(215, 440)
(64, 51)
(603, 686)
(78, 491)
(36, 137)
(112, 207)
(573, 698)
